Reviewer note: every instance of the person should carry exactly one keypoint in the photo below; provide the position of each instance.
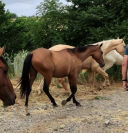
(124, 69)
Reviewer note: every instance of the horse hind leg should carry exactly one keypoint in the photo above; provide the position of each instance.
(33, 74)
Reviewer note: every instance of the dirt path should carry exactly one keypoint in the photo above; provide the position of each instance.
(104, 112)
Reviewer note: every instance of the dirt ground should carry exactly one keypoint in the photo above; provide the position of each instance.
(103, 112)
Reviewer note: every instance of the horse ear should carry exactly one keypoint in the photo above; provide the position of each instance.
(123, 38)
(101, 44)
(2, 50)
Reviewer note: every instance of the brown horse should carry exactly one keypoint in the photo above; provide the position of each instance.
(90, 64)
(7, 94)
(67, 62)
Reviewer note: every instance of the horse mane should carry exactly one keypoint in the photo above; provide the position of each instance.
(80, 49)
(71, 50)
(106, 43)
(4, 61)
(83, 48)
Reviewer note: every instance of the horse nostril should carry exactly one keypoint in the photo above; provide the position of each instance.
(102, 65)
(15, 96)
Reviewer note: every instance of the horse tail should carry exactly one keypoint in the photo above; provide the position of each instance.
(24, 80)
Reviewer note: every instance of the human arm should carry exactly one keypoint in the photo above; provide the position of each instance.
(124, 72)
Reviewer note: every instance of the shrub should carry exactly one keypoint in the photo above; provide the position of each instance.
(18, 62)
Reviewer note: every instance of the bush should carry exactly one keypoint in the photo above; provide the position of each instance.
(18, 62)
(9, 61)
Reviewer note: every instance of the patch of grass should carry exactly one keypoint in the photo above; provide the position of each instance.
(58, 86)
(101, 98)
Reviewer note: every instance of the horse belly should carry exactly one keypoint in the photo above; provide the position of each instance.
(61, 71)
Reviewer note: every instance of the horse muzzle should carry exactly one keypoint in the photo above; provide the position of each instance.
(102, 64)
(9, 101)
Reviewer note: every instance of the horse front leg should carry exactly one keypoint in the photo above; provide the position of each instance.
(73, 88)
(47, 82)
(105, 75)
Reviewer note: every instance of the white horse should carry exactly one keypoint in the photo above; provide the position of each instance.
(90, 63)
(113, 57)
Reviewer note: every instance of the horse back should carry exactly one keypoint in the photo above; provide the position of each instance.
(60, 47)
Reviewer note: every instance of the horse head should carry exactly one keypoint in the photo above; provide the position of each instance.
(98, 55)
(7, 94)
(121, 47)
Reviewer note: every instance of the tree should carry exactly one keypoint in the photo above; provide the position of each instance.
(4, 20)
(19, 35)
(15, 34)
(93, 21)
(13, 15)
(4, 15)
(51, 24)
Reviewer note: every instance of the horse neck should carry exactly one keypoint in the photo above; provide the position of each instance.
(84, 55)
(112, 46)
(105, 51)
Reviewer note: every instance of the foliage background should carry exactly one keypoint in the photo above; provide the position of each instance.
(81, 23)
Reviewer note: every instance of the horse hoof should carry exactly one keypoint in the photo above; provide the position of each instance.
(78, 104)
(64, 102)
(55, 105)
(28, 114)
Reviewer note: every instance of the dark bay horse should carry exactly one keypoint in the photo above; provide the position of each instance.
(7, 94)
(67, 62)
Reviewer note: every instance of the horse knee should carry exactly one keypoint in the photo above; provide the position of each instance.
(45, 88)
(73, 89)
(28, 91)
